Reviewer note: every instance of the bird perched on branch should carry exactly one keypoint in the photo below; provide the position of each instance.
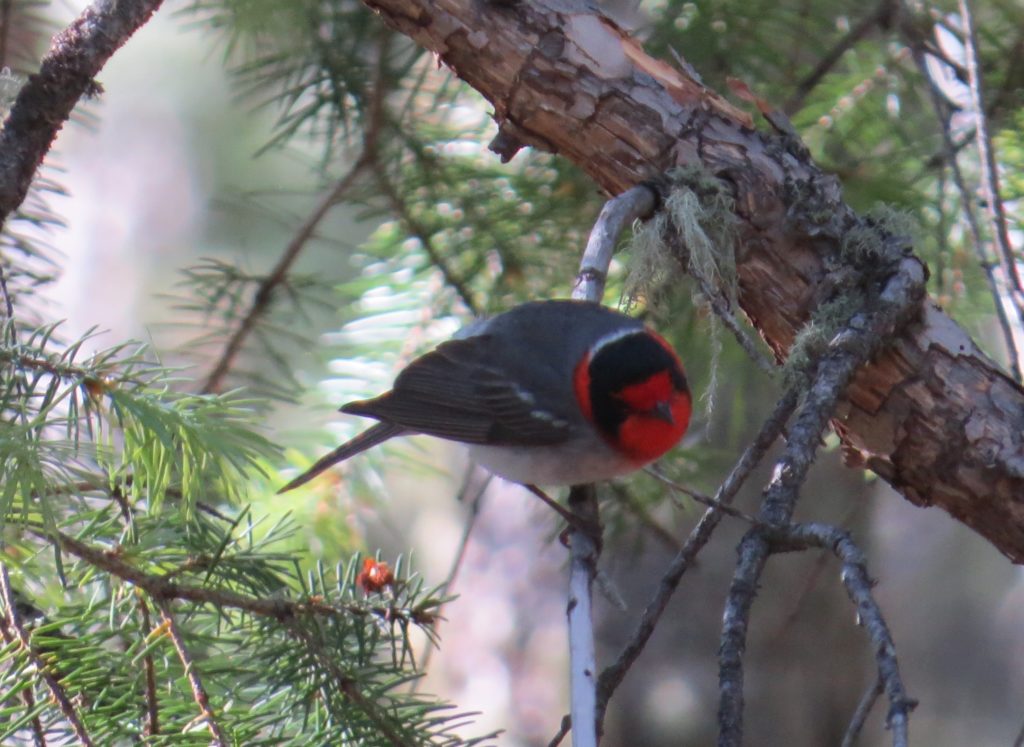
(547, 393)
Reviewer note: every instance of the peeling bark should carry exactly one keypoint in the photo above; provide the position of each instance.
(932, 415)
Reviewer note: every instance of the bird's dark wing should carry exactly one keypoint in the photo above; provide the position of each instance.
(459, 393)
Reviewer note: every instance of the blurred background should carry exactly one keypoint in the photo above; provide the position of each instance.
(223, 126)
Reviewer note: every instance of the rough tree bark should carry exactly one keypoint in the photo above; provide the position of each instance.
(932, 415)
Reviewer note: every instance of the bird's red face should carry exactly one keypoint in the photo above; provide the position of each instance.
(634, 391)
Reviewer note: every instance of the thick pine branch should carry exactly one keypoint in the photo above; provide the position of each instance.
(931, 414)
(67, 73)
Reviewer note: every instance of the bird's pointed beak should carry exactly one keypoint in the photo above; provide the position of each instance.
(663, 411)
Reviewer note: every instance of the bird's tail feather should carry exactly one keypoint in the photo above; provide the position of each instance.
(365, 440)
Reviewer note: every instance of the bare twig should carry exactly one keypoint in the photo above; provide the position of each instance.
(858, 585)
(67, 74)
(989, 169)
(699, 536)
(563, 730)
(584, 549)
(584, 545)
(967, 201)
(1019, 741)
(152, 704)
(8, 303)
(57, 692)
(864, 334)
(696, 495)
(616, 214)
(265, 292)
(10, 333)
(722, 309)
(860, 715)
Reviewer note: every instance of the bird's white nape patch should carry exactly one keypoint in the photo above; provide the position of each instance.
(615, 336)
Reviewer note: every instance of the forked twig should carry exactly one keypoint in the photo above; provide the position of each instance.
(863, 335)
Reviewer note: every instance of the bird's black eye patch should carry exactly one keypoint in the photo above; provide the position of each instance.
(622, 363)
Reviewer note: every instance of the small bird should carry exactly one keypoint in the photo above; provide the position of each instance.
(548, 393)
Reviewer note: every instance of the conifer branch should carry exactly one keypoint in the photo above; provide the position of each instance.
(162, 587)
(348, 685)
(401, 209)
(265, 291)
(66, 75)
(14, 630)
(195, 682)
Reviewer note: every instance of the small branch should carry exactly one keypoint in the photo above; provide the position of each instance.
(10, 333)
(14, 626)
(38, 733)
(161, 587)
(417, 229)
(721, 307)
(880, 17)
(563, 730)
(858, 585)
(860, 716)
(265, 292)
(950, 149)
(192, 673)
(585, 528)
(989, 169)
(612, 676)
(8, 303)
(584, 549)
(863, 335)
(347, 685)
(1019, 741)
(44, 104)
(617, 213)
(152, 704)
(706, 500)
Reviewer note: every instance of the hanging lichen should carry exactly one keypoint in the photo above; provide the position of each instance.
(695, 231)
(698, 211)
